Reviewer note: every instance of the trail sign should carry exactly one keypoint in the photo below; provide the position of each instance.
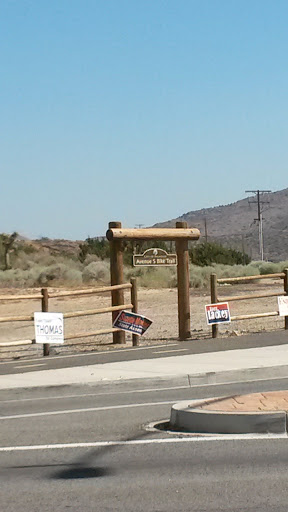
(218, 313)
(154, 258)
(49, 327)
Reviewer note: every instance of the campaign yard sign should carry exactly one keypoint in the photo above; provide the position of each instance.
(283, 305)
(218, 313)
(132, 322)
(49, 327)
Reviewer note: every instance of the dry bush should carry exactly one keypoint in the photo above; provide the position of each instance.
(152, 277)
(97, 271)
(40, 268)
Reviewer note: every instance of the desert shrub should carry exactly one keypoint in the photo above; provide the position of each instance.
(268, 267)
(9, 278)
(22, 261)
(40, 276)
(208, 253)
(99, 247)
(19, 278)
(59, 273)
(40, 268)
(97, 271)
(283, 265)
(25, 260)
(271, 268)
(72, 277)
(52, 273)
(162, 277)
(235, 270)
(91, 258)
(199, 276)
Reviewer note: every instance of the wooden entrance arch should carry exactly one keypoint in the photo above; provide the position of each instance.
(181, 235)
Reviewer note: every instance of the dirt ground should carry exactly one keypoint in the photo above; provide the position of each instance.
(159, 305)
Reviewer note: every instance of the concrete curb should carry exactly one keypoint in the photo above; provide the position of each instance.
(243, 375)
(190, 419)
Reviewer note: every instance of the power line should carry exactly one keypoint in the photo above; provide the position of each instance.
(260, 202)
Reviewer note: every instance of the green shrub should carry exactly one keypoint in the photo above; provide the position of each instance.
(208, 253)
(99, 247)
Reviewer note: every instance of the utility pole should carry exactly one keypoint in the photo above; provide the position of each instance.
(205, 228)
(259, 201)
(243, 248)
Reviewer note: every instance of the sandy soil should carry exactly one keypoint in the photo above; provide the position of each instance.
(158, 305)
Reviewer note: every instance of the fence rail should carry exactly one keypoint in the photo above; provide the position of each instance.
(250, 278)
(214, 281)
(45, 295)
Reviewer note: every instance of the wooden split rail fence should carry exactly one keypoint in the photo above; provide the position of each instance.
(216, 299)
(45, 295)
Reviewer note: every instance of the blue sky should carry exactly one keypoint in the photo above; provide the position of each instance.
(137, 110)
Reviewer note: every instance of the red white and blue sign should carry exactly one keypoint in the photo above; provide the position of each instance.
(132, 322)
(218, 313)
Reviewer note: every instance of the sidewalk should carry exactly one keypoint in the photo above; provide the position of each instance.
(194, 369)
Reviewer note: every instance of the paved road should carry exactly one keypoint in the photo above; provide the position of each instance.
(105, 459)
(122, 354)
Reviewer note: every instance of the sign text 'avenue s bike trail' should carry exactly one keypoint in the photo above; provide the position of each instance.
(154, 257)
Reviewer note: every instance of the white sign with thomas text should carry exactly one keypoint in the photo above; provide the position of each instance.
(283, 305)
(49, 327)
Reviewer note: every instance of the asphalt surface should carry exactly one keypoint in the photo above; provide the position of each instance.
(123, 466)
(129, 354)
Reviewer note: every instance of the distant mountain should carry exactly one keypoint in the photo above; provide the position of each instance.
(234, 225)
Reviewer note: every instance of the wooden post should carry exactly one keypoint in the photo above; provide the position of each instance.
(116, 271)
(183, 285)
(44, 304)
(134, 301)
(214, 300)
(286, 291)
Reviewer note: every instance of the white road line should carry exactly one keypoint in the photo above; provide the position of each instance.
(75, 411)
(149, 390)
(30, 365)
(101, 353)
(192, 439)
(173, 350)
(199, 385)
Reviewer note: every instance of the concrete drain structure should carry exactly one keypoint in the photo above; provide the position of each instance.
(241, 414)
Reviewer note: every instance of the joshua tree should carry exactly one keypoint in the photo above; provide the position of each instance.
(7, 242)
